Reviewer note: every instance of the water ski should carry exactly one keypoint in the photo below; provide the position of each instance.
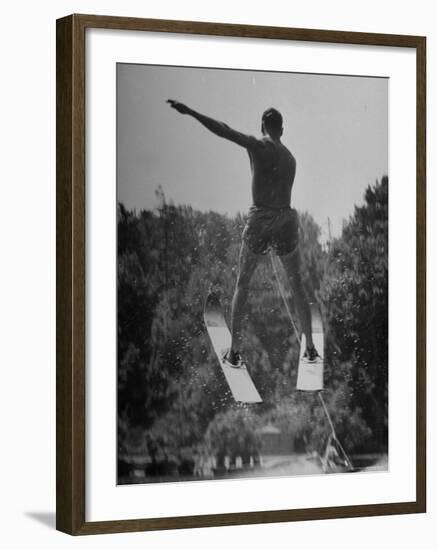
(310, 373)
(240, 383)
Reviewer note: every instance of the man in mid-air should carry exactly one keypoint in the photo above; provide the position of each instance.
(271, 225)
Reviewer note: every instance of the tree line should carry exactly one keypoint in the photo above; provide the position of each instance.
(173, 403)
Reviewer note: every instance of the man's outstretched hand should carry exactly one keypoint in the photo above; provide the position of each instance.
(179, 107)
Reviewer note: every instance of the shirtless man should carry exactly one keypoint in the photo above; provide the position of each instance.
(271, 225)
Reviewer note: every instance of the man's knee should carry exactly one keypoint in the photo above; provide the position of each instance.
(292, 268)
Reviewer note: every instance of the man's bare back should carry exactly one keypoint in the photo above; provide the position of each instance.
(273, 171)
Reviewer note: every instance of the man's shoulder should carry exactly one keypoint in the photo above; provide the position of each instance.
(257, 144)
(290, 154)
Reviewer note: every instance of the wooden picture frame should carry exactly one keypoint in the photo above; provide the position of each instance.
(71, 283)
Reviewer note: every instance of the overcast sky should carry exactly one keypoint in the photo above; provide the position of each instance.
(336, 127)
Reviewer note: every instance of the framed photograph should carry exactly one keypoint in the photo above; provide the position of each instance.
(240, 274)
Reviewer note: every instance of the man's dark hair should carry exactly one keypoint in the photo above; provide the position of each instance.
(272, 119)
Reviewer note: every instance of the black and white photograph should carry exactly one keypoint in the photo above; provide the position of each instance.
(252, 274)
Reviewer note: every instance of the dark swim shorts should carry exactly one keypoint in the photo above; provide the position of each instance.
(272, 228)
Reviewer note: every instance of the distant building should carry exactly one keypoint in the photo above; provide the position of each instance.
(276, 442)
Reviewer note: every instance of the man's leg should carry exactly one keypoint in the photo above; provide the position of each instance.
(291, 263)
(246, 267)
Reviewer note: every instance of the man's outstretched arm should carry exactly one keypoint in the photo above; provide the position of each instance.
(216, 127)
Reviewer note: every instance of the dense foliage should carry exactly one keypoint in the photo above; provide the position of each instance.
(355, 295)
(172, 398)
